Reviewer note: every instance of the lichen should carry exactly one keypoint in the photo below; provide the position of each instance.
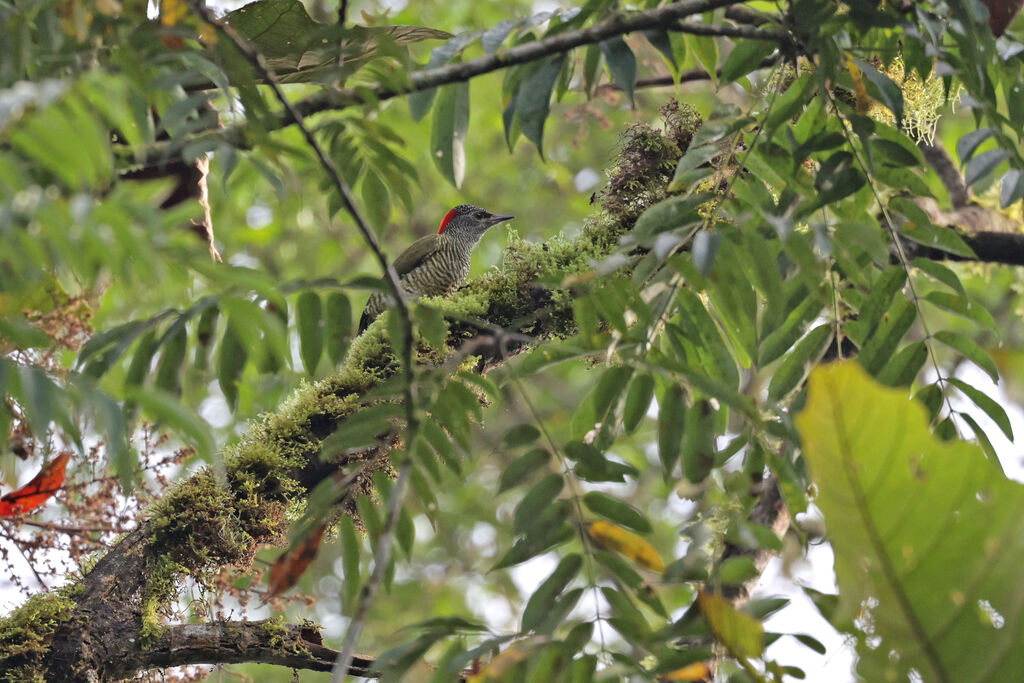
(25, 633)
(922, 101)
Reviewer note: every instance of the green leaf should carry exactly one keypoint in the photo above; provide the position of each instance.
(533, 101)
(618, 511)
(969, 143)
(881, 346)
(670, 214)
(902, 369)
(940, 273)
(337, 325)
(310, 324)
(165, 408)
(698, 447)
(431, 325)
(970, 349)
(744, 58)
(172, 358)
(376, 199)
(983, 164)
(591, 68)
(786, 334)
(608, 390)
(883, 89)
(661, 42)
(893, 154)
(911, 519)
(541, 496)
(521, 435)
(737, 570)
(1012, 188)
(963, 307)
(142, 360)
(448, 135)
(989, 406)
(810, 642)
(299, 49)
(113, 343)
(621, 63)
(794, 366)
(361, 429)
(671, 412)
(19, 332)
(405, 533)
(552, 532)
(741, 634)
(532, 461)
(706, 50)
(205, 329)
(231, 358)
(539, 605)
(638, 400)
(788, 103)
(350, 547)
(837, 178)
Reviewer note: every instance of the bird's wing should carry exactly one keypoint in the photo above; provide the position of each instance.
(418, 252)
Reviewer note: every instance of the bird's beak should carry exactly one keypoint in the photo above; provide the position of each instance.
(494, 220)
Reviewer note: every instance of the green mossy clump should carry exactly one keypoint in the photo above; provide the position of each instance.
(646, 163)
(25, 634)
(197, 524)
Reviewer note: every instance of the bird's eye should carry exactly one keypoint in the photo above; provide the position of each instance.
(479, 215)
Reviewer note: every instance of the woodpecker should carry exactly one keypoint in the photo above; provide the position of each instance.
(436, 265)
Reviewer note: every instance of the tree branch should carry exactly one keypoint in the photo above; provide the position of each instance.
(235, 642)
(750, 32)
(658, 18)
(940, 161)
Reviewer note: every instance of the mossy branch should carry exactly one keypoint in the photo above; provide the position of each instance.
(205, 522)
(271, 641)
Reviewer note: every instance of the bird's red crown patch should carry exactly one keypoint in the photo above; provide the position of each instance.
(446, 220)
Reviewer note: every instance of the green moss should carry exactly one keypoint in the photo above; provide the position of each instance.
(25, 633)
(161, 586)
(276, 630)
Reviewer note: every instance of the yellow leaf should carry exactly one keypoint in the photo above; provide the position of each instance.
(500, 664)
(111, 8)
(172, 11)
(698, 671)
(863, 99)
(741, 633)
(208, 34)
(626, 542)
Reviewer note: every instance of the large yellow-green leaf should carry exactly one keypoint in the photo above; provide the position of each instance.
(927, 535)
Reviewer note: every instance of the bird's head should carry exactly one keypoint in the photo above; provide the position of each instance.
(466, 220)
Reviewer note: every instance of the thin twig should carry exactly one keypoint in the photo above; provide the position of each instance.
(749, 32)
(576, 497)
(890, 227)
(401, 305)
(342, 17)
(50, 526)
(381, 560)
